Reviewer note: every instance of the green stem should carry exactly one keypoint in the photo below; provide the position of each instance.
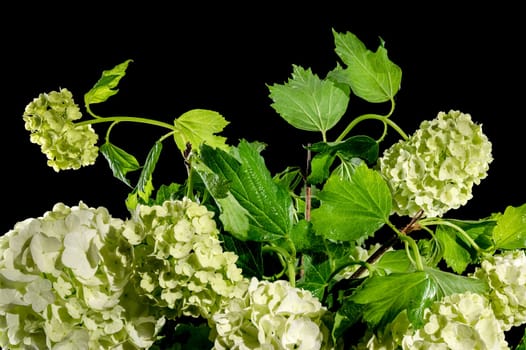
(127, 119)
(412, 244)
(414, 247)
(291, 265)
(383, 119)
(437, 221)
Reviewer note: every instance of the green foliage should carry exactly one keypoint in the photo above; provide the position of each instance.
(308, 102)
(144, 188)
(198, 126)
(510, 232)
(120, 161)
(384, 297)
(359, 146)
(354, 209)
(316, 235)
(266, 204)
(371, 75)
(106, 86)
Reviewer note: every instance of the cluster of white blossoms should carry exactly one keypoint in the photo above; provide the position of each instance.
(506, 276)
(64, 284)
(434, 170)
(272, 315)
(49, 118)
(179, 261)
(458, 321)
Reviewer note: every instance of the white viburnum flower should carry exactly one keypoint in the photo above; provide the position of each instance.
(272, 315)
(179, 259)
(506, 276)
(49, 118)
(458, 322)
(64, 284)
(434, 170)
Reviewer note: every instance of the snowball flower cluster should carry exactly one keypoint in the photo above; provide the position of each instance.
(506, 276)
(179, 260)
(458, 321)
(436, 167)
(272, 315)
(49, 118)
(64, 284)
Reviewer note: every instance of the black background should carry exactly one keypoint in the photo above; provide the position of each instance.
(221, 57)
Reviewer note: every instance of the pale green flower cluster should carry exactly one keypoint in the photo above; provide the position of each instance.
(49, 118)
(458, 321)
(180, 262)
(64, 284)
(506, 276)
(272, 315)
(436, 167)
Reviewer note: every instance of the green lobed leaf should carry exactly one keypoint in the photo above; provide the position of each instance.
(234, 217)
(358, 146)
(510, 232)
(308, 102)
(347, 167)
(143, 191)
(105, 86)
(266, 205)
(455, 251)
(394, 261)
(352, 209)
(198, 126)
(347, 316)
(448, 283)
(316, 275)
(168, 192)
(384, 297)
(120, 161)
(320, 168)
(371, 75)
(289, 178)
(304, 238)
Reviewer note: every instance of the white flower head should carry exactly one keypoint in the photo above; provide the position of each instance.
(458, 321)
(434, 170)
(272, 315)
(50, 119)
(179, 258)
(63, 278)
(506, 276)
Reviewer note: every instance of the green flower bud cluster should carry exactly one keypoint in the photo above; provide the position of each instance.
(435, 169)
(272, 315)
(64, 284)
(506, 276)
(458, 321)
(49, 118)
(179, 261)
